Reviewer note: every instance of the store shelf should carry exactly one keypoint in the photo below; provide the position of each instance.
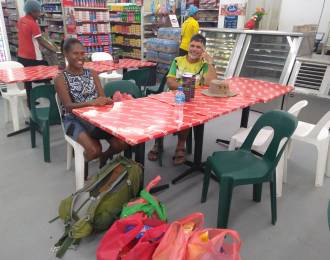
(93, 33)
(267, 56)
(91, 21)
(208, 9)
(121, 22)
(95, 44)
(52, 12)
(54, 19)
(125, 11)
(128, 34)
(267, 62)
(90, 8)
(201, 21)
(127, 46)
(54, 31)
(264, 68)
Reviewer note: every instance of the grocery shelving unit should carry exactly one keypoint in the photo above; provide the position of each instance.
(92, 26)
(11, 15)
(51, 22)
(126, 28)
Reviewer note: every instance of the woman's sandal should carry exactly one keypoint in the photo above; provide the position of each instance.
(153, 154)
(179, 156)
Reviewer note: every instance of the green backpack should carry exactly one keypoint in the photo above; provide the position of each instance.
(101, 201)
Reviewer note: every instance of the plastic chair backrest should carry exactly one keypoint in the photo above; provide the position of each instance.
(296, 108)
(100, 56)
(58, 103)
(124, 86)
(283, 125)
(142, 77)
(48, 92)
(11, 65)
(323, 123)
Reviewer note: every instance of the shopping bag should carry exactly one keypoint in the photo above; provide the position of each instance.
(174, 243)
(214, 244)
(147, 204)
(147, 244)
(124, 235)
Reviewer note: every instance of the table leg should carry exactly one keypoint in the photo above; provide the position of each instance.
(244, 124)
(197, 164)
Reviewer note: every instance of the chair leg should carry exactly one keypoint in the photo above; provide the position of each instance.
(273, 201)
(33, 134)
(79, 164)
(225, 194)
(321, 161)
(257, 191)
(6, 110)
(206, 182)
(46, 141)
(23, 107)
(189, 142)
(69, 154)
(13, 103)
(281, 169)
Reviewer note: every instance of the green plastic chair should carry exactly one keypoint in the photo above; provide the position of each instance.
(160, 88)
(42, 117)
(242, 167)
(143, 77)
(124, 86)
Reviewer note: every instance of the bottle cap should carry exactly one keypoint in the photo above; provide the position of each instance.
(180, 88)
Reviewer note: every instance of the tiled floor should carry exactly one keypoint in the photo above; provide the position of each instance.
(30, 191)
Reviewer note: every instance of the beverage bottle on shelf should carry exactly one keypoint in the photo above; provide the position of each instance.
(179, 103)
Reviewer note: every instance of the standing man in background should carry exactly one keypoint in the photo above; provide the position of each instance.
(190, 27)
(29, 39)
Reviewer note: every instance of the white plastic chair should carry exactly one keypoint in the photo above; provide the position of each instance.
(262, 141)
(79, 160)
(106, 76)
(318, 136)
(14, 97)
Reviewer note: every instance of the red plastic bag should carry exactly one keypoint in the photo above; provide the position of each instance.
(213, 244)
(145, 247)
(123, 236)
(174, 243)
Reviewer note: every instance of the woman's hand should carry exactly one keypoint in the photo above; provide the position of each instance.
(102, 101)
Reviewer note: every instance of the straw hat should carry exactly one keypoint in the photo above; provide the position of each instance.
(218, 88)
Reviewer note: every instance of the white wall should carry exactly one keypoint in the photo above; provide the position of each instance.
(299, 12)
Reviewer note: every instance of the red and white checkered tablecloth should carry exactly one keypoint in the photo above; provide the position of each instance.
(210, 107)
(139, 120)
(262, 90)
(48, 72)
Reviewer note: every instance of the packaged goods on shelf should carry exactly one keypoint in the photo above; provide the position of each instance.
(91, 16)
(170, 34)
(130, 29)
(162, 45)
(208, 4)
(90, 3)
(166, 58)
(152, 55)
(122, 8)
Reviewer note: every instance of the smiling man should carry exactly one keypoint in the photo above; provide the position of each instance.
(199, 63)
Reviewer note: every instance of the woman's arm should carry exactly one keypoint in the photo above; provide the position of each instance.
(63, 94)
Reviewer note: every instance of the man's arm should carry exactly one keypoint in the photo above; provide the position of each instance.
(211, 72)
(46, 44)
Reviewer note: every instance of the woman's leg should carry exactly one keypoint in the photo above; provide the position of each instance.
(93, 148)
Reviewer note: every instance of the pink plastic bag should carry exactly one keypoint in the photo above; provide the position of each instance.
(118, 96)
(213, 244)
(174, 243)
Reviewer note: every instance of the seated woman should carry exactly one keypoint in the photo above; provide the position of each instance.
(78, 87)
(199, 63)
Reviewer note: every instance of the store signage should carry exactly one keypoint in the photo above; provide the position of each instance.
(232, 13)
(174, 21)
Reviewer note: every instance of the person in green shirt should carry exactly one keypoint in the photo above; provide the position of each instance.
(199, 63)
(190, 27)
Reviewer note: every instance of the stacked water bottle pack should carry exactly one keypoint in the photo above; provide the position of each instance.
(164, 48)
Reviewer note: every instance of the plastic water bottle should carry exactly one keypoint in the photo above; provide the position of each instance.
(179, 102)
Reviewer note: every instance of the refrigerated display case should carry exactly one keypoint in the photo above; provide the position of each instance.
(224, 46)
